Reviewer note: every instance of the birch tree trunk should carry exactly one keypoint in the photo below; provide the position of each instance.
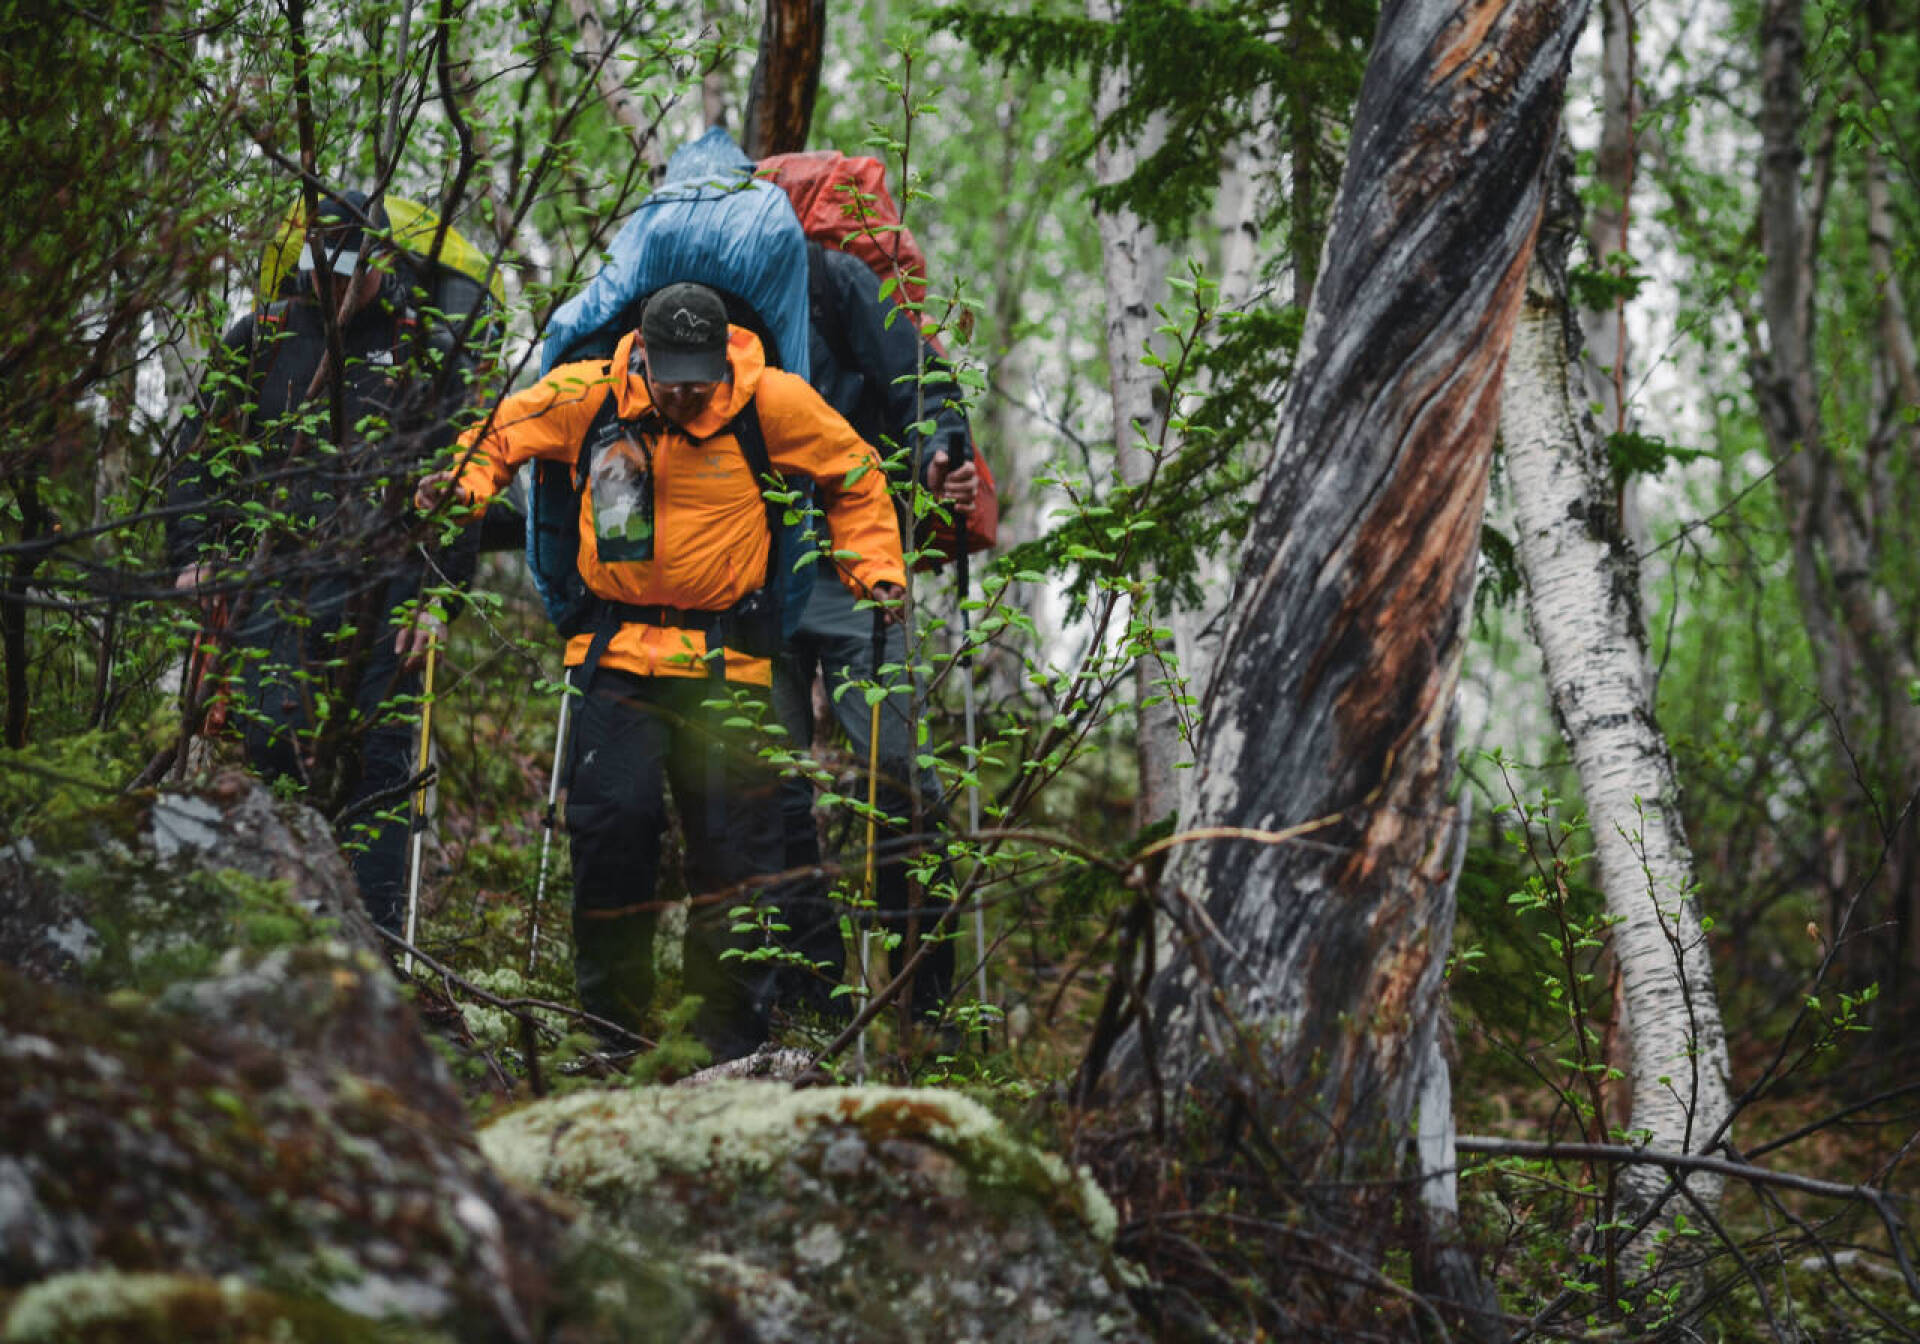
(1606, 331)
(1197, 629)
(1584, 605)
(1301, 985)
(1134, 264)
(713, 84)
(597, 53)
(1863, 651)
(786, 77)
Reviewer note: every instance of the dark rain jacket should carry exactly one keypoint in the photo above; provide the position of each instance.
(262, 471)
(865, 366)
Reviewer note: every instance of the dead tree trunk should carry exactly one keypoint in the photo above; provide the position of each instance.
(1299, 989)
(786, 77)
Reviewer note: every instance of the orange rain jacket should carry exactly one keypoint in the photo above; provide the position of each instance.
(710, 540)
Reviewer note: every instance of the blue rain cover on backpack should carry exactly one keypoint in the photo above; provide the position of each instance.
(714, 223)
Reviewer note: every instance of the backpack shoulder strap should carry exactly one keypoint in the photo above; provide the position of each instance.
(746, 431)
(745, 428)
(604, 423)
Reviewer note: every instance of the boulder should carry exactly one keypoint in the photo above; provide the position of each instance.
(137, 1140)
(222, 1121)
(836, 1213)
(149, 889)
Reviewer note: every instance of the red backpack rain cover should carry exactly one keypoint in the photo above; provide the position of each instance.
(843, 203)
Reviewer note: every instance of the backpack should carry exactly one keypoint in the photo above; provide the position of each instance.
(442, 274)
(710, 222)
(843, 203)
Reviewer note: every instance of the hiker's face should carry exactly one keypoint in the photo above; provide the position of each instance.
(681, 402)
(356, 291)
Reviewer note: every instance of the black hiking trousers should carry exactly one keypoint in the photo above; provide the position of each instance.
(297, 651)
(835, 642)
(634, 737)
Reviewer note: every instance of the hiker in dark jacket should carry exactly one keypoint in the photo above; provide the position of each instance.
(289, 520)
(868, 363)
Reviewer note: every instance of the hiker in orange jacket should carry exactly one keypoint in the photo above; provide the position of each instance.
(674, 545)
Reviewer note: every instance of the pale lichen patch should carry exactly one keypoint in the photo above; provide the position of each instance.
(592, 1141)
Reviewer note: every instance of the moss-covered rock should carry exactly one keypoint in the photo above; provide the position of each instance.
(144, 891)
(842, 1214)
(109, 1307)
(221, 1121)
(144, 1141)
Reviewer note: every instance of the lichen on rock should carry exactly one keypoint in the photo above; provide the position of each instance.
(884, 1213)
(108, 1305)
(145, 1141)
(148, 891)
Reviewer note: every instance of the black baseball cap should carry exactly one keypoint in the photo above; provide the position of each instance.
(685, 330)
(344, 229)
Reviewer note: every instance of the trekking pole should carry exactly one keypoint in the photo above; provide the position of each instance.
(962, 577)
(873, 809)
(420, 808)
(546, 828)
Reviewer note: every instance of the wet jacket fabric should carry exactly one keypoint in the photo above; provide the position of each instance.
(710, 541)
(254, 436)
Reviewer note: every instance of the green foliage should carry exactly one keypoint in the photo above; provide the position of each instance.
(1296, 74)
(46, 791)
(1633, 453)
(1500, 578)
(1598, 288)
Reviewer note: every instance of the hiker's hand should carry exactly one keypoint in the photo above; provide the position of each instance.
(195, 579)
(893, 602)
(414, 640)
(959, 487)
(437, 487)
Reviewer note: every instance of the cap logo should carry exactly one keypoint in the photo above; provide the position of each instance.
(689, 325)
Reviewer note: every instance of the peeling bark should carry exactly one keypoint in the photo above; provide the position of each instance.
(1584, 606)
(786, 77)
(1303, 980)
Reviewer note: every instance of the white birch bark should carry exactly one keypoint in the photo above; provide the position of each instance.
(1237, 206)
(1606, 231)
(713, 84)
(1583, 604)
(1134, 266)
(1197, 630)
(1608, 223)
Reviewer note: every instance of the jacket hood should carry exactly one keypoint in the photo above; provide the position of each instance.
(746, 361)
